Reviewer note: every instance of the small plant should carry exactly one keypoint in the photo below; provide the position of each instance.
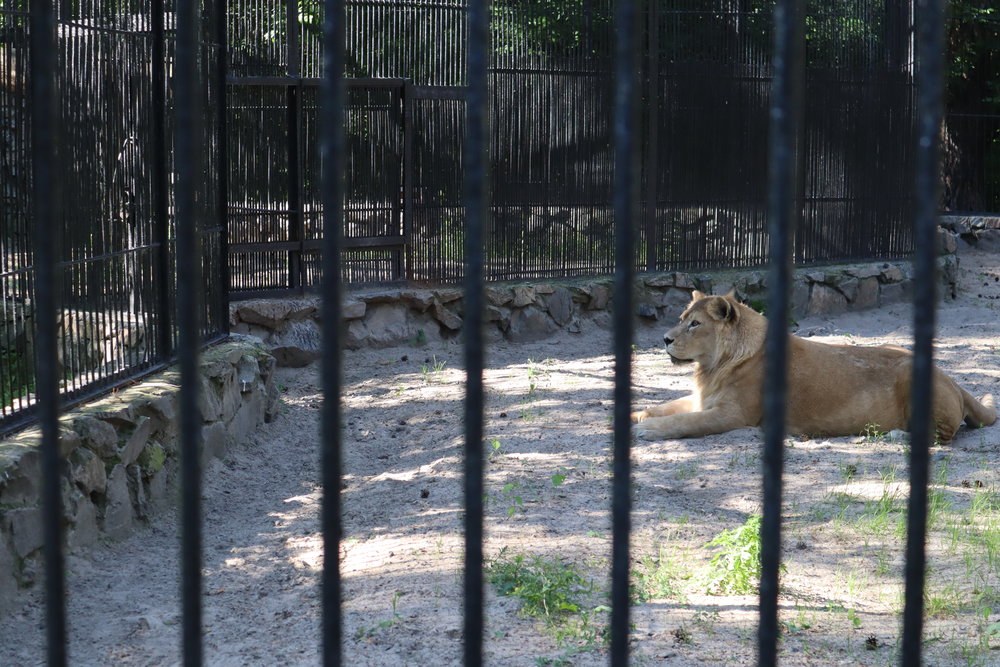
(848, 471)
(557, 479)
(367, 632)
(657, 578)
(873, 433)
(852, 616)
(546, 587)
(419, 339)
(682, 636)
(432, 372)
(735, 570)
(511, 493)
(496, 450)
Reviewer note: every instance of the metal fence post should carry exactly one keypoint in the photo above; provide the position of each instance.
(332, 151)
(188, 107)
(784, 210)
(929, 81)
(476, 212)
(47, 223)
(625, 197)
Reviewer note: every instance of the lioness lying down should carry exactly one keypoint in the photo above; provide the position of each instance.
(832, 389)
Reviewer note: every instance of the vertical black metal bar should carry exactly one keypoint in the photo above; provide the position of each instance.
(625, 198)
(295, 217)
(222, 142)
(476, 212)
(161, 181)
(929, 80)
(783, 212)
(652, 139)
(47, 222)
(332, 152)
(407, 92)
(188, 107)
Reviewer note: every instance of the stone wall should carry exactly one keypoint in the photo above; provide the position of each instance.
(525, 312)
(121, 454)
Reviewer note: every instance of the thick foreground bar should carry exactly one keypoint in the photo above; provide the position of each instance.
(332, 161)
(476, 202)
(930, 71)
(783, 212)
(189, 285)
(47, 221)
(625, 196)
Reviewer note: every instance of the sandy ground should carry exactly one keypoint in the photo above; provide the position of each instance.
(548, 414)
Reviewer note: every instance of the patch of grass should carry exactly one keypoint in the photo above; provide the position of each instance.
(433, 371)
(658, 577)
(366, 632)
(553, 592)
(735, 569)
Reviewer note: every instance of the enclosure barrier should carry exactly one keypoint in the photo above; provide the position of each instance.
(782, 206)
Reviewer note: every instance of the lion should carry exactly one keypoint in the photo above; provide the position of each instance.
(833, 390)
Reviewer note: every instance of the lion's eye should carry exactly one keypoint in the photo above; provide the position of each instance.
(694, 323)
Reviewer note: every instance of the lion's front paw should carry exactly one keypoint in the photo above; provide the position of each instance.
(639, 417)
(646, 432)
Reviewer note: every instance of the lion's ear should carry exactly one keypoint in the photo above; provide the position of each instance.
(695, 295)
(732, 294)
(724, 310)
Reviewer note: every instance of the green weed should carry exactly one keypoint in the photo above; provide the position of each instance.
(735, 569)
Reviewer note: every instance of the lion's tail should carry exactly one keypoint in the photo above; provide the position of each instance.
(979, 413)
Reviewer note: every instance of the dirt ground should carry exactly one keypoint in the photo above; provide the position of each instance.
(547, 489)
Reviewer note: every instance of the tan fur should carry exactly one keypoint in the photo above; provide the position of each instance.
(832, 389)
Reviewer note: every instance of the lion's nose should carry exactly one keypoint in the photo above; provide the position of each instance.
(667, 340)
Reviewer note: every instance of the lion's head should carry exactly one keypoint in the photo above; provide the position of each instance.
(713, 329)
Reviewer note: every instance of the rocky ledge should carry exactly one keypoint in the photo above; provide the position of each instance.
(120, 455)
(526, 312)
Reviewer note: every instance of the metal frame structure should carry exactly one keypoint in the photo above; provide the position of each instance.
(786, 107)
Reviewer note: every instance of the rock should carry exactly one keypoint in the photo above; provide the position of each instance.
(891, 274)
(8, 583)
(97, 435)
(297, 345)
(419, 300)
(87, 471)
(530, 324)
(268, 313)
(560, 305)
(24, 524)
(213, 441)
(117, 519)
(356, 334)
(867, 294)
(448, 294)
(674, 301)
(600, 296)
(946, 243)
(137, 441)
(989, 240)
(353, 310)
(659, 280)
(683, 280)
(800, 297)
(849, 288)
(648, 311)
(446, 317)
(69, 440)
(85, 530)
(824, 300)
(498, 296)
(137, 491)
(862, 272)
(387, 325)
(524, 295)
(495, 314)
